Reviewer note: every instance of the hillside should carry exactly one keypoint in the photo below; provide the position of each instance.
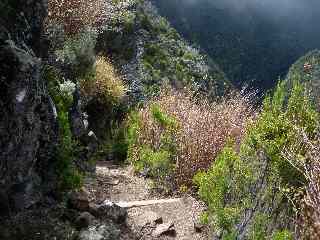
(150, 52)
(70, 73)
(254, 43)
(306, 70)
(113, 126)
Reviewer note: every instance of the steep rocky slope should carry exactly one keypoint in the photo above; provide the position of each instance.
(28, 126)
(151, 53)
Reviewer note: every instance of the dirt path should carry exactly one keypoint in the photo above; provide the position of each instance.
(119, 183)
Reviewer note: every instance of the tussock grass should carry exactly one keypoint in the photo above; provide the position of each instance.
(200, 129)
(106, 85)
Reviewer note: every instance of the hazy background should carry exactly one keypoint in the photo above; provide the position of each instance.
(253, 41)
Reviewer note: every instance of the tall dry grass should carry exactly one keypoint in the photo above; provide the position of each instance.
(106, 86)
(308, 215)
(204, 128)
(74, 15)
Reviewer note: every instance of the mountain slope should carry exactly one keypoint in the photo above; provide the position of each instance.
(253, 44)
(307, 70)
(151, 53)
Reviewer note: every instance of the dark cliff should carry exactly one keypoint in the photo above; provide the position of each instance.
(28, 128)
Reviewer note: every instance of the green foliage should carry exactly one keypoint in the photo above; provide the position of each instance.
(133, 126)
(129, 22)
(282, 235)
(78, 52)
(276, 127)
(306, 70)
(214, 185)
(119, 147)
(157, 158)
(168, 59)
(259, 227)
(158, 162)
(115, 145)
(162, 118)
(204, 218)
(258, 178)
(69, 176)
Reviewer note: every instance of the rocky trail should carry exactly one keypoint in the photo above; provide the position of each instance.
(150, 215)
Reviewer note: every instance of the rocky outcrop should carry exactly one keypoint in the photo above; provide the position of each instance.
(28, 128)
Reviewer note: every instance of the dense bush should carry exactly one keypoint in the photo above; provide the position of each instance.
(152, 143)
(74, 15)
(187, 131)
(67, 149)
(104, 99)
(308, 217)
(78, 54)
(105, 84)
(251, 194)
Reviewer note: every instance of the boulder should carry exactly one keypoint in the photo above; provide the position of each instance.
(102, 232)
(84, 220)
(79, 200)
(164, 228)
(148, 218)
(109, 211)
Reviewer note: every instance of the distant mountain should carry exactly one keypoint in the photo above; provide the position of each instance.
(254, 42)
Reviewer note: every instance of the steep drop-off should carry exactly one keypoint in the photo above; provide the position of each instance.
(252, 42)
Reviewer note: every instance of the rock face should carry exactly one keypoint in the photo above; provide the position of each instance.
(28, 127)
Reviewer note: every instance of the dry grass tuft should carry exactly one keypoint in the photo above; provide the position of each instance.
(204, 128)
(308, 215)
(106, 85)
(74, 15)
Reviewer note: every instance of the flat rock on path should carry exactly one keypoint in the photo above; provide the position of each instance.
(119, 184)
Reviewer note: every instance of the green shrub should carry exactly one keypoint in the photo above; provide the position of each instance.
(119, 147)
(158, 162)
(103, 84)
(78, 53)
(129, 22)
(156, 156)
(282, 235)
(162, 118)
(69, 176)
(251, 192)
(167, 58)
(214, 186)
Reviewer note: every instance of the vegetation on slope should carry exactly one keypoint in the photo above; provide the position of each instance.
(151, 53)
(168, 58)
(177, 134)
(306, 70)
(254, 169)
(257, 170)
(254, 193)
